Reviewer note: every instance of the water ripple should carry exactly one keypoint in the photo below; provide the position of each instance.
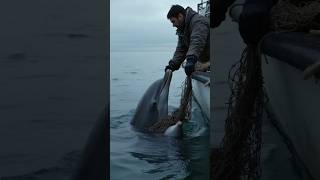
(62, 171)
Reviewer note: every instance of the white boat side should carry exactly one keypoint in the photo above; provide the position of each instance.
(293, 101)
(294, 105)
(201, 91)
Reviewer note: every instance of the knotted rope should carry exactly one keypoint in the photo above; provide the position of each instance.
(292, 15)
(239, 155)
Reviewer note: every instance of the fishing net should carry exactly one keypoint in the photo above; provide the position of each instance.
(181, 114)
(238, 157)
(295, 15)
(239, 154)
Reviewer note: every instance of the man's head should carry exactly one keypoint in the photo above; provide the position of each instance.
(177, 15)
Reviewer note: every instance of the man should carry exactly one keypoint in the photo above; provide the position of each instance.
(193, 38)
(254, 19)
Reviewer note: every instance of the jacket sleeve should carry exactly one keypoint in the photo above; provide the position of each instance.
(198, 37)
(179, 55)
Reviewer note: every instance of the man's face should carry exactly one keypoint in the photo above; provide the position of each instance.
(177, 21)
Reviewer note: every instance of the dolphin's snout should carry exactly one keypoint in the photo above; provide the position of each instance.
(174, 130)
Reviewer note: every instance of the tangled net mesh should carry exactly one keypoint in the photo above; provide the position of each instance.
(239, 154)
(295, 15)
(181, 114)
(238, 157)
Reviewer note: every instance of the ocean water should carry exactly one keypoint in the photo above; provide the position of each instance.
(137, 155)
(53, 84)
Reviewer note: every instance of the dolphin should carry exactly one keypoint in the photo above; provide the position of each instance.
(174, 130)
(153, 105)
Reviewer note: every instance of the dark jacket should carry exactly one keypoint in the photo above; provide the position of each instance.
(193, 40)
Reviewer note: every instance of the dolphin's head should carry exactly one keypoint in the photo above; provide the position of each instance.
(153, 106)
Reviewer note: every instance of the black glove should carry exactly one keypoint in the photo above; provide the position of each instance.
(172, 66)
(189, 67)
(254, 21)
(167, 67)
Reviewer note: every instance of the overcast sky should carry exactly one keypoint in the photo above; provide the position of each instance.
(140, 23)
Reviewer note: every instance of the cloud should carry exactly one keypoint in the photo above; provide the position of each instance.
(141, 22)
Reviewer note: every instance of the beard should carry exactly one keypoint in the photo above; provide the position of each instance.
(181, 27)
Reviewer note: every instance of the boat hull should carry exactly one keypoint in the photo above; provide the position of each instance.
(201, 91)
(294, 105)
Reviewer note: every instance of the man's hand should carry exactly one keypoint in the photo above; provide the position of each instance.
(172, 65)
(189, 67)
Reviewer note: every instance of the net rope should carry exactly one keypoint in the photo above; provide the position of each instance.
(295, 15)
(239, 154)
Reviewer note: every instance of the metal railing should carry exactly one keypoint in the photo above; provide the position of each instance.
(204, 8)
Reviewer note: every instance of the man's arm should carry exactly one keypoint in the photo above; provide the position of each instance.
(179, 56)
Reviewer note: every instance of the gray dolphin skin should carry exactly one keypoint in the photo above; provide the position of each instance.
(174, 130)
(153, 106)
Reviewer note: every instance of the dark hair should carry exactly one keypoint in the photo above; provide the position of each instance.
(175, 10)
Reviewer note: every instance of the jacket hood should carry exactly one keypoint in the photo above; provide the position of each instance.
(189, 14)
